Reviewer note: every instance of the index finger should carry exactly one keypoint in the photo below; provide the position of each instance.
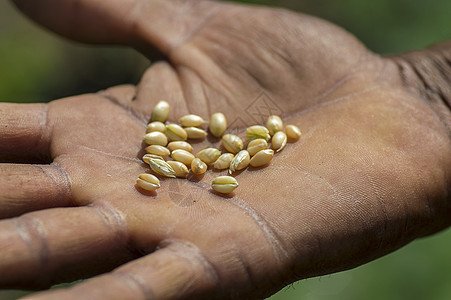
(24, 133)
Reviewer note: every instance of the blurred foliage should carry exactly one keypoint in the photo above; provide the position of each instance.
(420, 270)
(385, 26)
(35, 65)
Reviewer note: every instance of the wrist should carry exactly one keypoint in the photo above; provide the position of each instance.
(427, 73)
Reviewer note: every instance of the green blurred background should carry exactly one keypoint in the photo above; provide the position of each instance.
(36, 65)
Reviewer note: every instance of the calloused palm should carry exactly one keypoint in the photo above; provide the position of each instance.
(369, 174)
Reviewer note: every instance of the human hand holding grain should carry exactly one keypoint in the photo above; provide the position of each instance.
(369, 174)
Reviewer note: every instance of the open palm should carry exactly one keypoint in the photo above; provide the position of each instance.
(368, 175)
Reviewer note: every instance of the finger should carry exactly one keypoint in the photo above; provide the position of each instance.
(25, 188)
(61, 244)
(159, 22)
(85, 20)
(24, 133)
(173, 272)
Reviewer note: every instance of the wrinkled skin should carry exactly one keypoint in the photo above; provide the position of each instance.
(369, 174)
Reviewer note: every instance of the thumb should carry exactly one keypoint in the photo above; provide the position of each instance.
(143, 24)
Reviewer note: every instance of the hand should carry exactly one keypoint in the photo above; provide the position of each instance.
(369, 174)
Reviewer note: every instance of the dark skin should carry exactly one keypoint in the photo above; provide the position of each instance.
(370, 173)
